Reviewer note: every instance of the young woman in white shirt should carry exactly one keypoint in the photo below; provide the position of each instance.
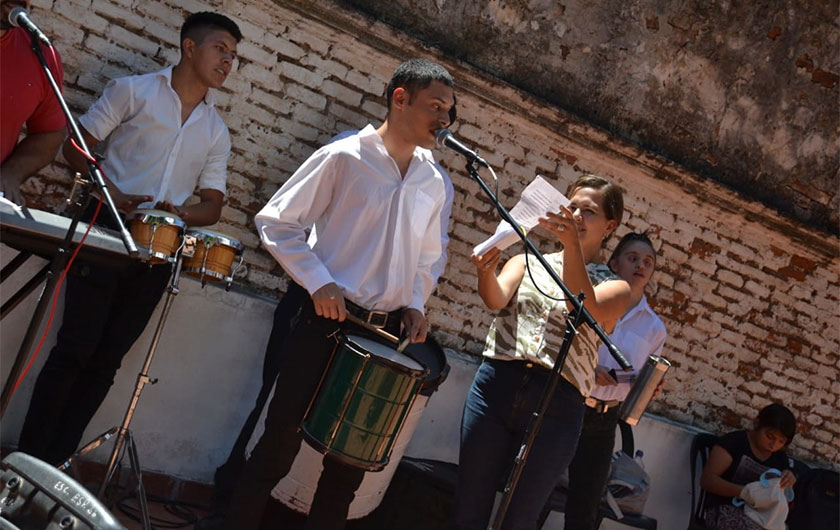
(639, 333)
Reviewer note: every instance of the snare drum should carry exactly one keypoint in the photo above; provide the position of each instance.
(157, 231)
(362, 402)
(214, 256)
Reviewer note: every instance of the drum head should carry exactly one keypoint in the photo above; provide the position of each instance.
(384, 352)
(145, 215)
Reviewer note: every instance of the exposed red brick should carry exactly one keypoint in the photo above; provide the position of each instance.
(652, 23)
(776, 250)
(793, 273)
(803, 263)
(826, 79)
(774, 32)
(703, 248)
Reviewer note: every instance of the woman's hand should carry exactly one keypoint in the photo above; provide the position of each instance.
(562, 225)
(486, 263)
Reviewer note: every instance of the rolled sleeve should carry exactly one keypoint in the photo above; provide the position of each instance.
(109, 111)
(214, 174)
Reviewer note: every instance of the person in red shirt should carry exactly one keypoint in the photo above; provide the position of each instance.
(26, 98)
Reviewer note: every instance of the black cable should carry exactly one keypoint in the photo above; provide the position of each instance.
(528, 268)
(185, 516)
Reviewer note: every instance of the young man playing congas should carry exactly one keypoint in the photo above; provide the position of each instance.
(374, 199)
(165, 138)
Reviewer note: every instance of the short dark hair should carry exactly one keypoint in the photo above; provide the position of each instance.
(197, 25)
(777, 417)
(612, 193)
(631, 237)
(416, 74)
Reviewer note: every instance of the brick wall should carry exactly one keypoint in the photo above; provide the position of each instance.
(750, 299)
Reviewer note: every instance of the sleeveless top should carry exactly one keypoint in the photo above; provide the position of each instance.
(531, 327)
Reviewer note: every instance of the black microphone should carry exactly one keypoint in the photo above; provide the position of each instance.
(444, 138)
(19, 18)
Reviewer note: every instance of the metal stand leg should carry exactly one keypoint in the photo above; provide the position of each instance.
(138, 475)
(123, 434)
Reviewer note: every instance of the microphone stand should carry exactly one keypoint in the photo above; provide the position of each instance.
(62, 255)
(578, 316)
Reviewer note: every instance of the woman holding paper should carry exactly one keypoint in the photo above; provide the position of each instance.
(519, 353)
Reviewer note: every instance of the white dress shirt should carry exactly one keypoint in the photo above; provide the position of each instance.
(378, 234)
(149, 151)
(445, 213)
(638, 334)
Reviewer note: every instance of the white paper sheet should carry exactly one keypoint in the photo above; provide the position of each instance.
(538, 198)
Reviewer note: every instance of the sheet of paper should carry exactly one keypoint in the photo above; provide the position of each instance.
(538, 198)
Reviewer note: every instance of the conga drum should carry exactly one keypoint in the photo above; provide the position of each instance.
(158, 232)
(214, 255)
(362, 402)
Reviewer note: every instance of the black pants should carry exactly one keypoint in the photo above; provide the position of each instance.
(303, 359)
(104, 313)
(105, 310)
(590, 468)
(228, 473)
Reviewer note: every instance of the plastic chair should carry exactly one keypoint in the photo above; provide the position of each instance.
(557, 501)
(700, 448)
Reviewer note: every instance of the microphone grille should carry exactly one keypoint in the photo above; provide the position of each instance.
(14, 14)
(441, 136)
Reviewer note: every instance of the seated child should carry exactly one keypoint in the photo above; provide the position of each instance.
(741, 457)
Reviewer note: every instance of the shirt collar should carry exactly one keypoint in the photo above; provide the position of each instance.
(369, 131)
(641, 306)
(166, 73)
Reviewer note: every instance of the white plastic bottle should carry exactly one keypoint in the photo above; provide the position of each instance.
(638, 458)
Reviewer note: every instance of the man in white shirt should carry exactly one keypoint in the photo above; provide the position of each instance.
(375, 201)
(164, 139)
(226, 475)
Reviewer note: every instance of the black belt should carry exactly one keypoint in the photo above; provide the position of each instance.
(601, 406)
(377, 319)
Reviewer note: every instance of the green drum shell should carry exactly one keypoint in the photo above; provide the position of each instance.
(361, 406)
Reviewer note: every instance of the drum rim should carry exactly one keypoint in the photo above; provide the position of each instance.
(218, 237)
(322, 448)
(212, 274)
(421, 373)
(144, 215)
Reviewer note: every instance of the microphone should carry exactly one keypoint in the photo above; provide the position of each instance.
(444, 138)
(19, 18)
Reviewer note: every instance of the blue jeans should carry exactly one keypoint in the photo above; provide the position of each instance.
(503, 396)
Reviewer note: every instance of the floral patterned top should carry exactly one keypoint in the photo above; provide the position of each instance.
(532, 326)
